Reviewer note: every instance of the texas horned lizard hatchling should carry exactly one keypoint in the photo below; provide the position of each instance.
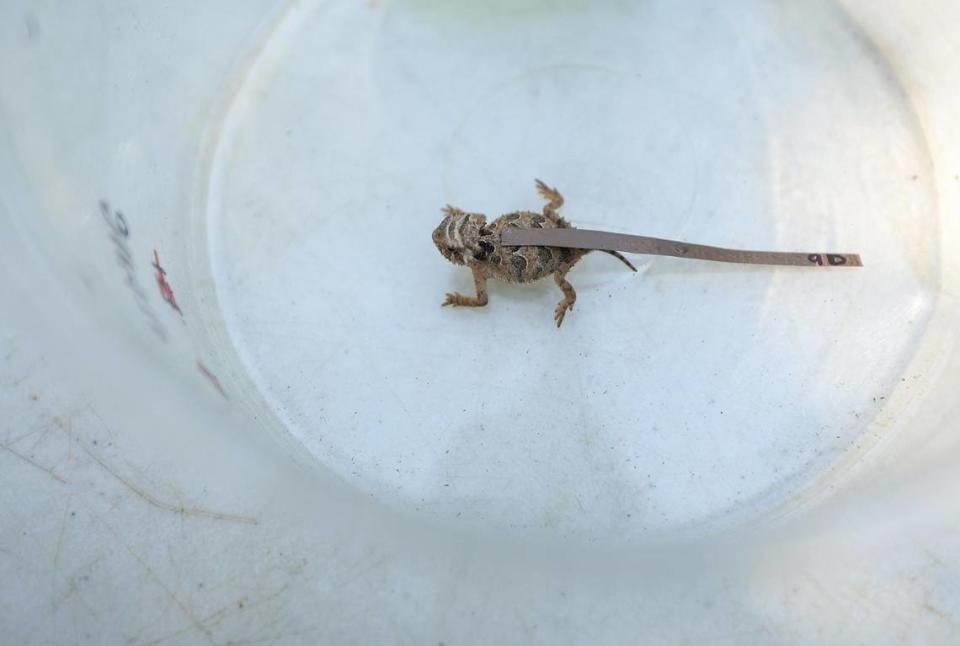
(466, 239)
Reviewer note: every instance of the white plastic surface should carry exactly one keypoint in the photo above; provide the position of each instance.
(695, 434)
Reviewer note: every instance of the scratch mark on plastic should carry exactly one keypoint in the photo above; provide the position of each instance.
(166, 506)
(212, 618)
(63, 531)
(33, 463)
(156, 579)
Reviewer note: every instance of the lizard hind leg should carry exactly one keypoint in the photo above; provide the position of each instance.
(553, 198)
(569, 297)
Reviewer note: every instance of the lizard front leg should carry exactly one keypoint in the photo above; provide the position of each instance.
(569, 297)
(480, 281)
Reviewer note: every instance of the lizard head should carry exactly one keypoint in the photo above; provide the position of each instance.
(458, 235)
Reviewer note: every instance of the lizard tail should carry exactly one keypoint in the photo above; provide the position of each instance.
(616, 254)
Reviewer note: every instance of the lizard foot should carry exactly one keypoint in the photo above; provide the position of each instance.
(561, 311)
(549, 194)
(459, 300)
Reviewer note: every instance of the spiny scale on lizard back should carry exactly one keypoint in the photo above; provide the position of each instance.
(528, 263)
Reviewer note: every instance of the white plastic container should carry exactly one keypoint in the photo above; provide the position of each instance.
(221, 216)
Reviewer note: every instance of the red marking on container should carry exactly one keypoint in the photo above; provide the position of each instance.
(119, 235)
(212, 378)
(165, 290)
